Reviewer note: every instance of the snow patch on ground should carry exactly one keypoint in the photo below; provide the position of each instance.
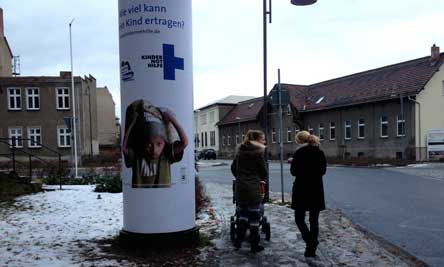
(71, 227)
(342, 244)
(44, 231)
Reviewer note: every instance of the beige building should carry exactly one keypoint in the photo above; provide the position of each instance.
(106, 118)
(430, 104)
(5, 51)
(37, 108)
(206, 133)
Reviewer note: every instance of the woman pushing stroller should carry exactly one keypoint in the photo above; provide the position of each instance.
(250, 169)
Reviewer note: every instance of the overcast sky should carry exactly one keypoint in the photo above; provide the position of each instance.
(309, 44)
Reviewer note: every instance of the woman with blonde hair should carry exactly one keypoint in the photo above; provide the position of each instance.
(308, 166)
(250, 170)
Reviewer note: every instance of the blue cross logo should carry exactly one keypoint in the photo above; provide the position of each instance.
(170, 62)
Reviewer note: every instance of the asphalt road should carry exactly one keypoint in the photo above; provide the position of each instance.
(407, 210)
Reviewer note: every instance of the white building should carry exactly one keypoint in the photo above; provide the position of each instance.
(206, 133)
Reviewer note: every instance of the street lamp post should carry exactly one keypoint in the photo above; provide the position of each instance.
(265, 107)
(74, 128)
(90, 124)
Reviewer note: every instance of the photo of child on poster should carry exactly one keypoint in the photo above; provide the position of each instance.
(153, 141)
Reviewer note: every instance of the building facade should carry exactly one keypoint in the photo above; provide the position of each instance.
(5, 51)
(206, 133)
(244, 116)
(38, 110)
(106, 118)
(383, 113)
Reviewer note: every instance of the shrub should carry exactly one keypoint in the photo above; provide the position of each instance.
(110, 184)
(201, 197)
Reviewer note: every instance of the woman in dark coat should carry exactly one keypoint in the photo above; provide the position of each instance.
(250, 170)
(308, 165)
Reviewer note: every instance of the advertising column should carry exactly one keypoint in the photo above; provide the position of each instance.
(157, 117)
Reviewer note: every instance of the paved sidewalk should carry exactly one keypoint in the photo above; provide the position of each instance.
(341, 243)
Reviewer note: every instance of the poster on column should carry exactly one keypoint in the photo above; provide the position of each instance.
(157, 115)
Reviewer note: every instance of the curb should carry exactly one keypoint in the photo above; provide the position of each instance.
(406, 256)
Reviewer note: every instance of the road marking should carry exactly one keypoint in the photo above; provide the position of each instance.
(422, 228)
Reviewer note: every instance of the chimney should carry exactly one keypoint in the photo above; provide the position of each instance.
(2, 30)
(434, 53)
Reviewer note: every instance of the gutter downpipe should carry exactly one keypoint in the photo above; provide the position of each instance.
(419, 125)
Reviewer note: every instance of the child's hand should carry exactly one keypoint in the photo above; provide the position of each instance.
(168, 115)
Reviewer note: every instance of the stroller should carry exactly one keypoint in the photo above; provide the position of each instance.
(264, 225)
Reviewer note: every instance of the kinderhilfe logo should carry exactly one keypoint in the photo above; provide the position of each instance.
(167, 61)
(126, 72)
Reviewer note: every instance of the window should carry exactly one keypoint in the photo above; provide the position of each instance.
(14, 99)
(310, 130)
(332, 131)
(289, 135)
(320, 100)
(202, 144)
(212, 138)
(321, 131)
(384, 127)
(288, 109)
(229, 140)
(62, 98)
(223, 140)
(361, 129)
(273, 135)
(296, 131)
(196, 140)
(16, 136)
(348, 130)
(400, 121)
(63, 137)
(35, 137)
(203, 119)
(206, 139)
(33, 98)
(243, 137)
(399, 155)
(237, 139)
(211, 116)
(347, 155)
(361, 155)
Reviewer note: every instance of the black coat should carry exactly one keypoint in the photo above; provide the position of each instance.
(308, 165)
(250, 169)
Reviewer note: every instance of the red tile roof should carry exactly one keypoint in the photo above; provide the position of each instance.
(406, 78)
(246, 111)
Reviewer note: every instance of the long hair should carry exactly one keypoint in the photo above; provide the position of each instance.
(306, 137)
(253, 135)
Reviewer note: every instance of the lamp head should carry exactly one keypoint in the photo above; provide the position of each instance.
(303, 2)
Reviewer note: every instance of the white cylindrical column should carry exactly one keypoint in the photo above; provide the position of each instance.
(157, 116)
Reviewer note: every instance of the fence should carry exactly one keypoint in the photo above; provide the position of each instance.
(15, 151)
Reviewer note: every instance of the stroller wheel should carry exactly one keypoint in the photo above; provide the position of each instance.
(264, 219)
(267, 230)
(232, 231)
(263, 222)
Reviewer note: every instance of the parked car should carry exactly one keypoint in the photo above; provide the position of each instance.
(290, 159)
(208, 154)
